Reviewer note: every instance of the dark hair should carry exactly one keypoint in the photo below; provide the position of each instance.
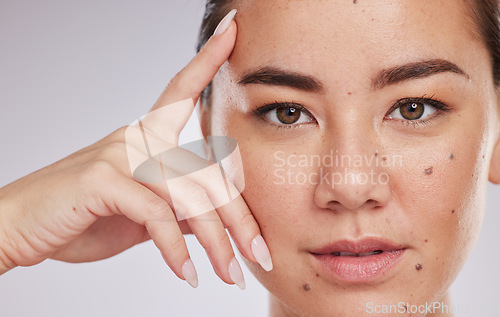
(485, 14)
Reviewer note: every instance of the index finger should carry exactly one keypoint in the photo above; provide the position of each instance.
(159, 130)
(196, 76)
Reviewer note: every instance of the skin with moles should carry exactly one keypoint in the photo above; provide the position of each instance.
(433, 202)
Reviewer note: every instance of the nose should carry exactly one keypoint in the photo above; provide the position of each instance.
(358, 177)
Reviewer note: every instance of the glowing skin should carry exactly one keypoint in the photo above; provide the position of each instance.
(432, 204)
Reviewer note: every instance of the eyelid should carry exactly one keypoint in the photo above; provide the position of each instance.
(265, 109)
(275, 105)
(439, 105)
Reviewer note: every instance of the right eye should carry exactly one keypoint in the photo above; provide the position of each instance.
(285, 114)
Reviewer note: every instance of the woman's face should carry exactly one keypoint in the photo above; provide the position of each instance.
(366, 129)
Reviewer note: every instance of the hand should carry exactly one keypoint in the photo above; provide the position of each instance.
(88, 207)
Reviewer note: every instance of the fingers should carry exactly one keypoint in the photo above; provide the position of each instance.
(159, 130)
(234, 213)
(142, 206)
(210, 232)
(190, 82)
(172, 110)
(195, 193)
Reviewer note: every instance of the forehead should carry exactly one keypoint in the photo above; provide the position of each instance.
(328, 35)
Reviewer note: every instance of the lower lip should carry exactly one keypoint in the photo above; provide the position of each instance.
(359, 269)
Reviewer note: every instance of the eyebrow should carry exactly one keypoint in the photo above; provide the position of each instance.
(414, 70)
(274, 76)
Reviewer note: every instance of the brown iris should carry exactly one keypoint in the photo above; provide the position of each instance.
(288, 115)
(412, 111)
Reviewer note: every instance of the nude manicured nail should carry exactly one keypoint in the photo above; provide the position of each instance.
(261, 253)
(189, 273)
(236, 274)
(225, 23)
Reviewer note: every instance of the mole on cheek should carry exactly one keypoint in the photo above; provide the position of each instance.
(306, 287)
(429, 170)
(452, 156)
(418, 267)
(453, 211)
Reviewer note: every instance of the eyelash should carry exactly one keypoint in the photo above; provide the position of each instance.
(437, 104)
(260, 112)
(441, 107)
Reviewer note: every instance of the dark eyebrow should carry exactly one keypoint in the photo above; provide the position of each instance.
(274, 76)
(414, 70)
(278, 77)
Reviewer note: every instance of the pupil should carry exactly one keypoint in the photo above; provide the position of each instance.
(288, 115)
(413, 111)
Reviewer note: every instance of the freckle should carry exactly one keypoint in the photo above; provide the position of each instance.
(317, 275)
(452, 156)
(453, 211)
(483, 156)
(306, 287)
(426, 240)
(376, 154)
(418, 267)
(429, 171)
(74, 209)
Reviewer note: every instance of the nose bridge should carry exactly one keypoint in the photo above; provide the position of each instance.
(356, 176)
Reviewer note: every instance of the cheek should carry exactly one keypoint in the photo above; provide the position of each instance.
(441, 196)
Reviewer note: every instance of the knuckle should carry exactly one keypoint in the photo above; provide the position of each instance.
(220, 241)
(177, 244)
(96, 169)
(114, 150)
(120, 132)
(157, 209)
(247, 220)
(176, 82)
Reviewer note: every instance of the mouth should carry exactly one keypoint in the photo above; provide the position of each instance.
(363, 261)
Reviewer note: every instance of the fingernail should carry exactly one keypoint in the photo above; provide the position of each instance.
(261, 253)
(236, 274)
(225, 23)
(189, 273)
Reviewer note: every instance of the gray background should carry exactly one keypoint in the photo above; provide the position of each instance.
(71, 72)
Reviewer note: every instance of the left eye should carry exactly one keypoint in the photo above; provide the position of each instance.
(288, 115)
(413, 110)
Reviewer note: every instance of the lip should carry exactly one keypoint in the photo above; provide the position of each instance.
(365, 268)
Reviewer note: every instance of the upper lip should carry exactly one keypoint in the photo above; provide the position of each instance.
(359, 246)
